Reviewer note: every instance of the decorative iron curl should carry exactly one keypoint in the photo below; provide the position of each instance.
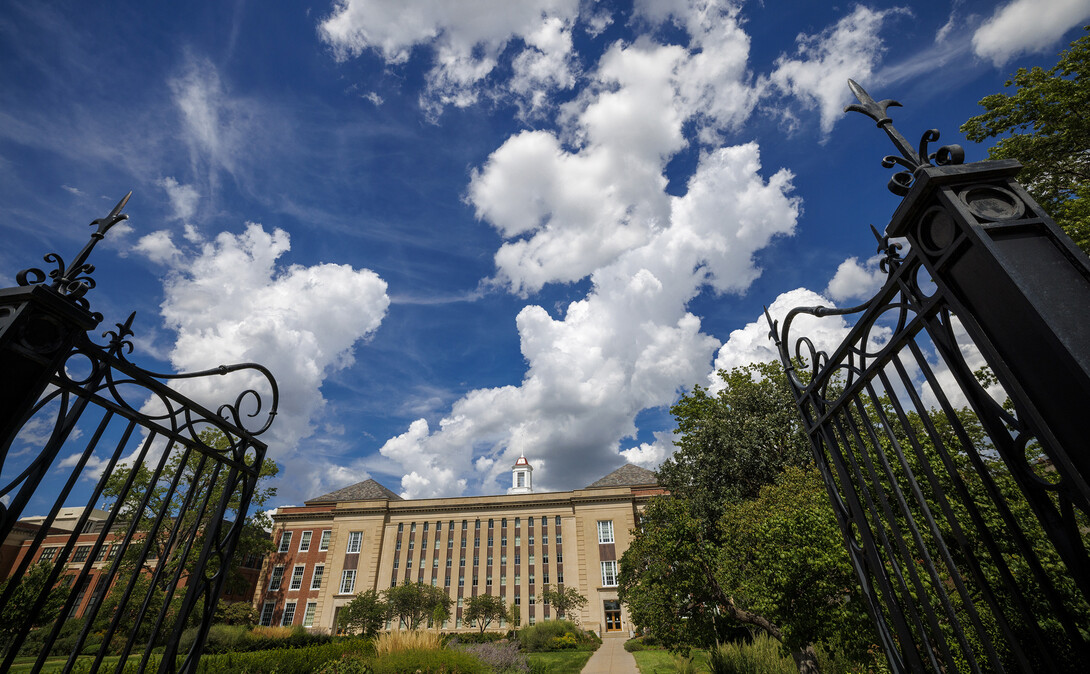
(112, 375)
(913, 159)
(74, 281)
(818, 369)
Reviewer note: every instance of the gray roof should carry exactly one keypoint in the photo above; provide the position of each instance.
(361, 491)
(627, 475)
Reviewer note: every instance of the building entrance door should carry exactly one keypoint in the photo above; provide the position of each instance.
(612, 610)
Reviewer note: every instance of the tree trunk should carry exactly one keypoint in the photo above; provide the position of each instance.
(806, 660)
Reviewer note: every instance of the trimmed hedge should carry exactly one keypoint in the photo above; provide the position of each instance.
(284, 660)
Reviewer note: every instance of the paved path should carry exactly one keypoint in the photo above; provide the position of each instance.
(611, 657)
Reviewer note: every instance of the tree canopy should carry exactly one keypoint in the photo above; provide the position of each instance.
(564, 600)
(415, 603)
(733, 442)
(1045, 128)
(200, 480)
(483, 609)
(365, 614)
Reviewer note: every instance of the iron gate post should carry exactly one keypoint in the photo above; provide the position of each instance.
(1023, 288)
(38, 327)
(962, 505)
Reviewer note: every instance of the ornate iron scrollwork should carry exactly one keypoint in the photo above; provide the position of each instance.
(74, 281)
(911, 158)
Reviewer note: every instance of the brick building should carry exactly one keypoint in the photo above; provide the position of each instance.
(367, 537)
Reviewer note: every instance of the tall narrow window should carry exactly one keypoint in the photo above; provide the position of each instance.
(285, 541)
(605, 531)
(277, 577)
(316, 579)
(297, 577)
(308, 615)
(267, 613)
(304, 541)
(348, 581)
(609, 574)
(289, 613)
(323, 544)
(354, 540)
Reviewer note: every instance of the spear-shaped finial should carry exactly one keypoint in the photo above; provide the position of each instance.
(910, 158)
(876, 110)
(79, 265)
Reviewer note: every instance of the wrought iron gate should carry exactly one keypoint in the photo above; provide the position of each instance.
(81, 427)
(949, 425)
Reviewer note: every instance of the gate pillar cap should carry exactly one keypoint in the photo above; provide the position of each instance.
(51, 301)
(931, 177)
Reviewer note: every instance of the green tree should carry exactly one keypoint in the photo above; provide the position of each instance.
(564, 600)
(199, 479)
(483, 609)
(414, 603)
(365, 614)
(1048, 133)
(733, 442)
(30, 587)
(731, 445)
(783, 558)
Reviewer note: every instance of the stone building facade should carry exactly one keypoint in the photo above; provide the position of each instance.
(366, 537)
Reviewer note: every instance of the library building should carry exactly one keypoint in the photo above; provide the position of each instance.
(367, 537)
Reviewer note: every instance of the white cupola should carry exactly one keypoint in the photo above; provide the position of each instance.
(522, 474)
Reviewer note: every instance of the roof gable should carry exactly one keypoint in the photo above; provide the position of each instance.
(627, 475)
(367, 490)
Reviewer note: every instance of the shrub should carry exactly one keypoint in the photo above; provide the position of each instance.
(272, 632)
(417, 640)
(428, 662)
(642, 644)
(500, 657)
(761, 656)
(283, 661)
(476, 637)
(347, 665)
(554, 635)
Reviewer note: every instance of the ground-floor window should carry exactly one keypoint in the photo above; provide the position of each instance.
(308, 615)
(267, 613)
(289, 613)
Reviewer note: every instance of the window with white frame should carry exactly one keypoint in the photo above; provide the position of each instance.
(348, 581)
(354, 540)
(297, 577)
(605, 531)
(267, 613)
(277, 577)
(289, 614)
(285, 541)
(316, 578)
(323, 543)
(304, 541)
(308, 615)
(609, 574)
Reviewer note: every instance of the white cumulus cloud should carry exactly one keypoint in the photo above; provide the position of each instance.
(818, 73)
(855, 281)
(231, 302)
(1023, 26)
(465, 38)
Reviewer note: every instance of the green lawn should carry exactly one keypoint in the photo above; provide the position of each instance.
(560, 662)
(662, 662)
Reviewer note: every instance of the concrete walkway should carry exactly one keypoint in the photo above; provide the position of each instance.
(611, 657)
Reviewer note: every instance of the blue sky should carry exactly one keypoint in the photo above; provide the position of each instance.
(461, 231)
